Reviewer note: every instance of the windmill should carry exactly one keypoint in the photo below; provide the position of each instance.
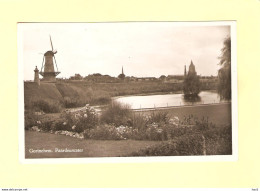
(49, 73)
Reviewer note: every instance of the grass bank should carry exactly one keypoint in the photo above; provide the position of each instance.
(76, 94)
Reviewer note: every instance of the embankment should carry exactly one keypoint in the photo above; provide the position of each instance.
(75, 94)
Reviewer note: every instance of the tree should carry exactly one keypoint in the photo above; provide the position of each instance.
(224, 73)
(121, 76)
(162, 77)
(191, 84)
(78, 77)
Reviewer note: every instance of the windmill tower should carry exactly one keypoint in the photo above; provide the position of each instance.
(49, 74)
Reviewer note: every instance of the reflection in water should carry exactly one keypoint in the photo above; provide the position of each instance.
(191, 99)
(166, 100)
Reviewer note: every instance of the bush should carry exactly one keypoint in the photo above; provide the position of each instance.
(158, 117)
(60, 125)
(117, 114)
(101, 100)
(182, 146)
(219, 140)
(82, 120)
(140, 121)
(30, 120)
(104, 132)
(47, 106)
(111, 132)
(46, 126)
(71, 102)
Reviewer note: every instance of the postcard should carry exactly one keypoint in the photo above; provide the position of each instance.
(127, 92)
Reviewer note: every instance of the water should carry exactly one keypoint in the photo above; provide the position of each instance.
(167, 100)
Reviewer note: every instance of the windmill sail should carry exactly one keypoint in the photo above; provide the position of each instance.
(51, 44)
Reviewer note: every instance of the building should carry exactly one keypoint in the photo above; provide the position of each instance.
(122, 75)
(36, 76)
(192, 70)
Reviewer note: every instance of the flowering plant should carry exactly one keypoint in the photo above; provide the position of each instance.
(86, 118)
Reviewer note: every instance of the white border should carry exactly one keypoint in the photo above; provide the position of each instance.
(233, 157)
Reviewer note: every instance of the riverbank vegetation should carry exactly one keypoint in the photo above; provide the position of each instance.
(224, 73)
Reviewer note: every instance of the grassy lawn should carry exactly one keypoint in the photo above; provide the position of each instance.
(91, 148)
(218, 114)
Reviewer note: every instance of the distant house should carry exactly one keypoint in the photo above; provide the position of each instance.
(76, 77)
(174, 78)
(146, 79)
(99, 78)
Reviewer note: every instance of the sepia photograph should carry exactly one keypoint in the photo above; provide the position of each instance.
(127, 89)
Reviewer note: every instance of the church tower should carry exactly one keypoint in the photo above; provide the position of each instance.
(185, 72)
(192, 70)
(122, 75)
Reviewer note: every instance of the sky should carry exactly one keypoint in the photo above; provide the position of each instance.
(143, 49)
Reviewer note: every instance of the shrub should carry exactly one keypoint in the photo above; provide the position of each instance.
(219, 140)
(60, 125)
(140, 121)
(82, 120)
(30, 120)
(46, 126)
(71, 102)
(184, 145)
(102, 100)
(47, 106)
(104, 132)
(159, 117)
(111, 132)
(117, 114)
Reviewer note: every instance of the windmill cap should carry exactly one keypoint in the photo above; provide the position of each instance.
(49, 53)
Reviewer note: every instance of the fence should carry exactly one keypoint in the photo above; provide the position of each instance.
(192, 104)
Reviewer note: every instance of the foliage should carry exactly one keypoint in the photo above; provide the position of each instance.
(191, 84)
(30, 120)
(75, 122)
(46, 126)
(117, 114)
(184, 145)
(121, 76)
(224, 73)
(70, 102)
(179, 137)
(100, 100)
(82, 120)
(162, 77)
(47, 106)
(190, 141)
(219, 140)
(111, 132)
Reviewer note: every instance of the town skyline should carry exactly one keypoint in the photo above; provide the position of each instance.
(143, 49)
